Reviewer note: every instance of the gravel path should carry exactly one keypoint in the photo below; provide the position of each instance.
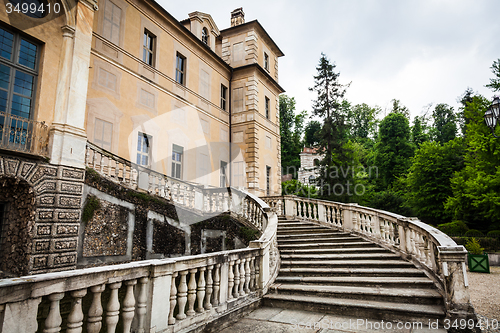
(484, 292)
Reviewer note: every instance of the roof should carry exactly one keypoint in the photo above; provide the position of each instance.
(263, 31)
(308, 150)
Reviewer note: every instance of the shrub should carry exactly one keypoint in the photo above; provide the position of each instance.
(294, 187)
(248, 234)
(453, 228)
(473, 246)
(473, 233)
(493, 233)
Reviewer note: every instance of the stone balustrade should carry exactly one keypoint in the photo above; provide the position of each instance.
(165, 295)
(414, 240)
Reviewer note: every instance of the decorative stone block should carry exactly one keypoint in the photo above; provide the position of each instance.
(43, 171)
(42, 246)
(68, 215)
(26, 168)
(12, 167)
(46, 186)
(73, 174)
(40, 262)
(45, 215)
(65, 244)
(47, 200)
(67, 230)
(63, 260)
(43, 230)
(72, 188)
(70, 201)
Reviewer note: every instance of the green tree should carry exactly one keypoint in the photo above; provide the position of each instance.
(495, 82)
(363, 121)
(445, 125)
(312, 133)
(429, 179)
(330, 106)
(419, 130)
(397, 107)
(476, 188)
(393, 150)
(291, 127)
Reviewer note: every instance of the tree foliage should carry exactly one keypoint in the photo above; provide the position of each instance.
(495, 82)
(362, 121)
(291, 127)
(312, 133)
(445, 126)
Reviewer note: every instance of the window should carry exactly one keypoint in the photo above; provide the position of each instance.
(238, 174)
(18, 74)
(204, 36)
(107, 79)
(147, 99)
(204, 84)
(111, 27)
(238, 99)
(223, 97)
(267, 108)
(148, 48)
(180, 67)
(177, 152)
(266, 61)
(143, 149)
(238, 52)
(103, 132)
(268, 180)
(223, 174)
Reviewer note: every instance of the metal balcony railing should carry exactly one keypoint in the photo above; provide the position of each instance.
(23, 135)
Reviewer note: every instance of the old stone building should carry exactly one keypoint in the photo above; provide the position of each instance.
(309, 162)
(181, 98)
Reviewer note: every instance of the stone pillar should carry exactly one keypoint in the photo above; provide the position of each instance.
(159, 295)
(452, 263)
(67, 133)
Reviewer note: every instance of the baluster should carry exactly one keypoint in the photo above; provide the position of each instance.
(257, 273)
(209, 289)
(75, 317)
(128, 306)
(142, 298)
(247, 276)
(191, 292)
(173, 300)
(182, 298)
(113, 309)
(95, 312)
(236, 291)
(242, 277)
(201, 289)
(54, 320)
(230, 280)
(215, 297)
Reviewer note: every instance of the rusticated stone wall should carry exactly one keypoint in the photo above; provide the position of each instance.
(57, 192)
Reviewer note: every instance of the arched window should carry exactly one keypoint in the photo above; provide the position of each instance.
(316, 162)
(204, 36)
(312, 179)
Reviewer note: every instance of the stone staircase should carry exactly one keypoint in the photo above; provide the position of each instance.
(335, 272)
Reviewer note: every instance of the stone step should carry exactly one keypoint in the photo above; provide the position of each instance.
(319, 240)
(316, 235)
(314, 251)
(396, 295)
(340, 256)
(358, 308)
(325, 245)
(342, 271)
(374, 282)
(346, 263)
(302, 230)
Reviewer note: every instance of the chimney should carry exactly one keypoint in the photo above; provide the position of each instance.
(237, 17)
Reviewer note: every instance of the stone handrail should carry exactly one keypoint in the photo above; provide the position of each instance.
(419, 242)
(166, 295)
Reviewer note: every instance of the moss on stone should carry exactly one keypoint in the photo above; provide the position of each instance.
(90, 207)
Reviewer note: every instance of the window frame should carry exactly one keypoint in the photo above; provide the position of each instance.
(268, 180)
(104, 18)
(101, 142)
(14, 65)
(180, 73)
(149, 51)
(179, 151)
(267, 106)
(204, 35)
(149, 139)
(223, 174)
(266, 61)
(223, 97)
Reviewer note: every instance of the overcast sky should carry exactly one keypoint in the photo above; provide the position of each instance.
(417, 51)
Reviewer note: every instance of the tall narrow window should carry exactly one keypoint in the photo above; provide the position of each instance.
(238, 173)
(148, 49)
(238, 99)
(266, 61)
(180, 67)
(204, 35)
(111, 25)
(268, 180)
(177, 154)
(103, 132)
(267, 107)
(223, 96)
(144, 149)
(223, 174)
(18, 74)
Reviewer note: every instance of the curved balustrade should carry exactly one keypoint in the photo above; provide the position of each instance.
(425, 245)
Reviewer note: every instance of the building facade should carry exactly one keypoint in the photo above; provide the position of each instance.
(182, 98)
(309, 162)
